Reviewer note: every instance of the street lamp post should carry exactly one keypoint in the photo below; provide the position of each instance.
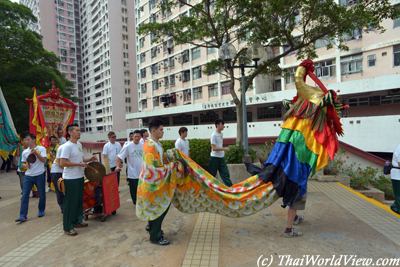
(227, 52)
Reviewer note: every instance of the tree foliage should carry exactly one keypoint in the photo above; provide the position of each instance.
(24, 63)
(295, 25)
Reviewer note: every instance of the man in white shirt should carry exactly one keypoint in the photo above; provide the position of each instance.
(145, 135)
(33, 160)
(71, 159)
(395, 175)
(217, 159)
(130, 139)
(56, 173)
(133, 152)
(60, 133)
(182, 143)
(110, 152)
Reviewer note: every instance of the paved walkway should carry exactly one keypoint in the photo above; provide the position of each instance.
(337, 222)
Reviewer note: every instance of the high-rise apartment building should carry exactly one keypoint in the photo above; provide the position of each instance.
(108, 63)
(95, 41)
(172, 86)
(58, 23)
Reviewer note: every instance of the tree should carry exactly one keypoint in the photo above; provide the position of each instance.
(293, 24)
(24, 63)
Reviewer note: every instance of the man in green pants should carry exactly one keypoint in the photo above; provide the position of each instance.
(217, 159)
(72, 161)
(395, 175)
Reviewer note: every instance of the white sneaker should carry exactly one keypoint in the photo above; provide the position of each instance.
(292, 233)
(47, 189)
(298, 219)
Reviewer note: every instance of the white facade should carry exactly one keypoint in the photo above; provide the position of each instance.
(367, 77)
(108, 63)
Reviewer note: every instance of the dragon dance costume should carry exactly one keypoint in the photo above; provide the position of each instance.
(306, 143)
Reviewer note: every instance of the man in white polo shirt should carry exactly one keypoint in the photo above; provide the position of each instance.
(217, 155)
(395, 175)
(56, 173)
(33, 159)
(133, 152)
(182, 143)
(72, 161)
(110, 152)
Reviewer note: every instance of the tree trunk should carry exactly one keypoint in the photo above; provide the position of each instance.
(239, 125)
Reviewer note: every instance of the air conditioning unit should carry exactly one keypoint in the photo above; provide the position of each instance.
(179, 58)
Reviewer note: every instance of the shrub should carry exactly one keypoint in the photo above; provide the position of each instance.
(336, 166)
(385, 185)
(200, 151)
(235, 154)
(167, 144)
(361, 178)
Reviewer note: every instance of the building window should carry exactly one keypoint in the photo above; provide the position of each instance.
(185, 75)
(185, 56)
(225, 88)
(277, 85)
(153, 18)
(156, 101)
(325, 68)
(355, 34)
(168, 46)
(143, 88)
(195, 53)
(166, 81)
(171, 63)
(165, 63)
(351, 64)
(196, 73)
(187, 95)
(182, 3)
(371, 60)
(213, 90)
(182, 119)
(197, 93)
(211, 50)
(143, 73)
(153, 52)
(321, 43)
(396, 55)
(172, 80)
(144, 104)
(269, 112)
(142, 57)
(208, 117)
(347, 2)
(141, 42)
(152, 4)
(289, 75)
(155, 85)
(396, 21)
(154, 69)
